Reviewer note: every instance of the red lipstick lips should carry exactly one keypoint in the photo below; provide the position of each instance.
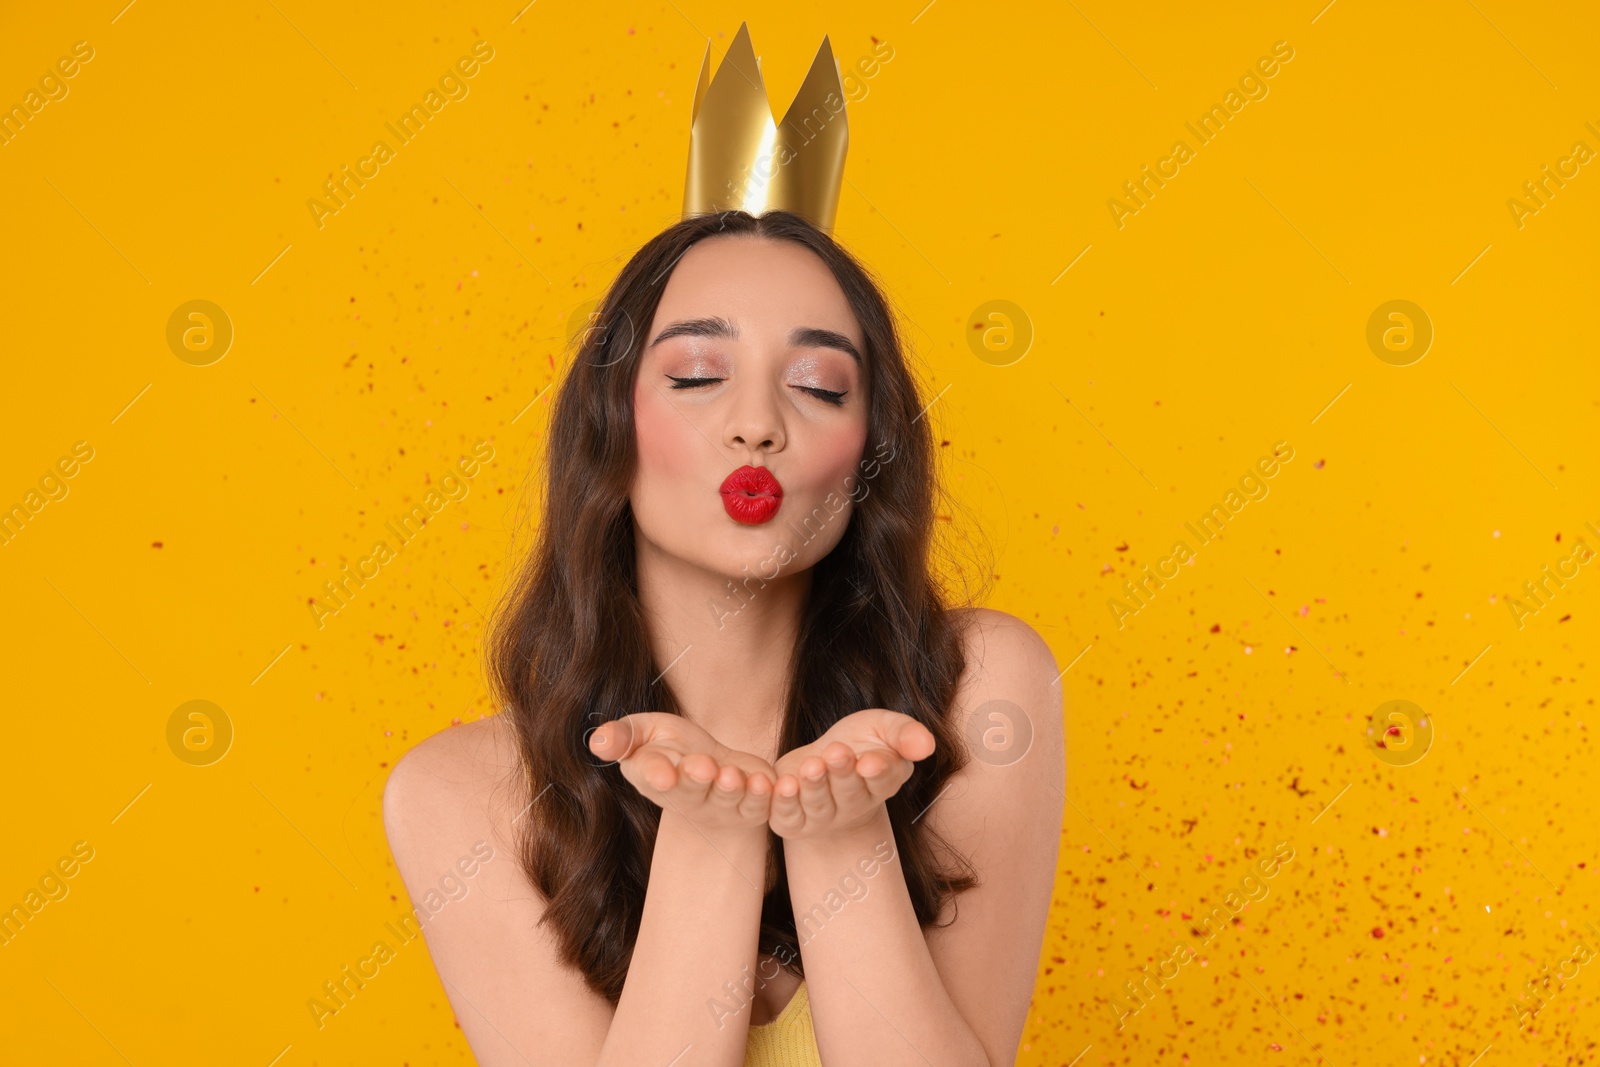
(751, 495)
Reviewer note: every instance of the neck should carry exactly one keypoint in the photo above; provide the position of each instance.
(726, 653)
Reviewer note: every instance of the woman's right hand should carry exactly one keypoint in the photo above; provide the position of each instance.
(679, 767)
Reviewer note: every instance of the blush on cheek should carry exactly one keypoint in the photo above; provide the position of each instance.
(674, 492)
(665, 439)
(836, 458)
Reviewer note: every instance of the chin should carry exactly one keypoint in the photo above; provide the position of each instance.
(777, 548)
(768, 550)
(798, 535)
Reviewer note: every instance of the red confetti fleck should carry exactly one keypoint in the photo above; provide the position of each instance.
(1377, 931)
(1318, 464)
(155, 544)
(1216, 627)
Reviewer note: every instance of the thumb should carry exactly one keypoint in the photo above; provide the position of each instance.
(615, 740)
(910, 738)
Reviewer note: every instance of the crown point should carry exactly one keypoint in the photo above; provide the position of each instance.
(739, 158)
(703, 84)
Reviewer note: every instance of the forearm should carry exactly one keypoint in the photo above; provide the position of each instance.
(876, 997)
(698, 930)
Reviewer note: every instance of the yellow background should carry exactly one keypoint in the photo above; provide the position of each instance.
(430, 311)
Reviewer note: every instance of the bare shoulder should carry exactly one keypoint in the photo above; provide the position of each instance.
(443, 777)
(1007, 663)
(448, 793)
(1008, 712)
(1003, 812)
(451, 809)
(986, 629)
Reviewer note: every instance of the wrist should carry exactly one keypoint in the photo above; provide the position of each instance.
(857, 838)
(733, 842)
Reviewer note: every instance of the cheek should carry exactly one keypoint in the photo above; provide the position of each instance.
(658, 428)
(665, 442)
(837, 456)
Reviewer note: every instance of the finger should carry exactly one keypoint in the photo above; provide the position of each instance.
(883, 771)
(727, 789)
(910, 738)
(614, 740)
(626, 735)
(756, 804)
(696, 773)
(655, 768)
(816, 798)
(789, 764)
(845, 783)
(838, 756)
(786, 816)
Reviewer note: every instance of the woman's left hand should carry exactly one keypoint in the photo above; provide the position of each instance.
(839, 782)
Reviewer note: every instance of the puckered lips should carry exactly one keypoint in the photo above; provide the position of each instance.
(751, 495)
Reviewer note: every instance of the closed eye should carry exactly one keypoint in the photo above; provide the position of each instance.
(827, 395)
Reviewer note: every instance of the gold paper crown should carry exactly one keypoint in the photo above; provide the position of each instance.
(740, 159)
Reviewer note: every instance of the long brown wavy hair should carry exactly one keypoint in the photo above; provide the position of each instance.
(568, 647)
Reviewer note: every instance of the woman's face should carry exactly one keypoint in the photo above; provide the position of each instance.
(749, 361)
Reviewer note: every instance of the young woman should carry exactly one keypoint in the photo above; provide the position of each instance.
(736, 696)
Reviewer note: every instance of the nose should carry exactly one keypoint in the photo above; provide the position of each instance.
(754, 421)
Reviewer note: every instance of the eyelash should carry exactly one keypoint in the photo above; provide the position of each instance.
(827, 396)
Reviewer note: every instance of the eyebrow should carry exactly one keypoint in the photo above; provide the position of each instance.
(799, 337)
